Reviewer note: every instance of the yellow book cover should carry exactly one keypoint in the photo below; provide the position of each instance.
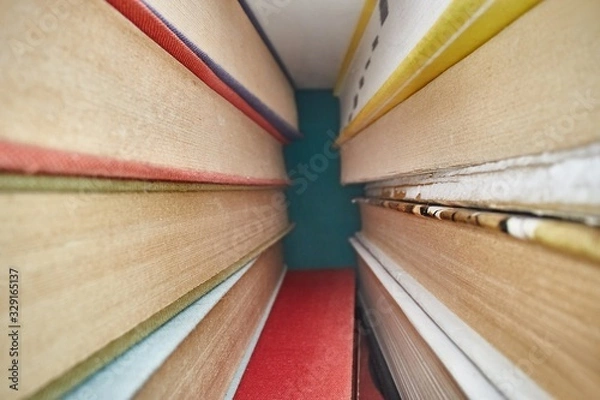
(462, 26)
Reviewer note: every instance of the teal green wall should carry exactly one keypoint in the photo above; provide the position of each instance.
(321, 208)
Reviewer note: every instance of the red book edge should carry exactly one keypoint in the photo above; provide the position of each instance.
(32, 159)
(306, 348)
(139, 14)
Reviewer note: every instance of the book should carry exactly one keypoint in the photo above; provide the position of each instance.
(373, 381)
(423, 361)
(95, 96)
(142, 199)
(225, 337)
(406, 44)
(561, 184)
(575, 238)
(306, 348)
(104, 269)
(535, 305)
(224, 33)
(218, 43)
(529, 90)
(221, 326)
(476, 366)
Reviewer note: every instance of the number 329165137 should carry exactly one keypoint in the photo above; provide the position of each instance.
(13, 299)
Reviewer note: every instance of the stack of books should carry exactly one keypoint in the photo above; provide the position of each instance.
(141, 196)
(474, 125)
(142, 203)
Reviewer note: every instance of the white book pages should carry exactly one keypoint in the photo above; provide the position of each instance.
(124, 376)
(498, 371)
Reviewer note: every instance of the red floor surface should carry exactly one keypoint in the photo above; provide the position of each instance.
(306, 348)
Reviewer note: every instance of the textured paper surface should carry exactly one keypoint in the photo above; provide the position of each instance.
(221, 37)
(98, 87)
(532, 88)
(536, 306)
(575, 239)
(133, 256)
(502, 374)
(46, 183)
(410, 44)
(206, 362)
(415, 367)
(123, 377)
(562, 183)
